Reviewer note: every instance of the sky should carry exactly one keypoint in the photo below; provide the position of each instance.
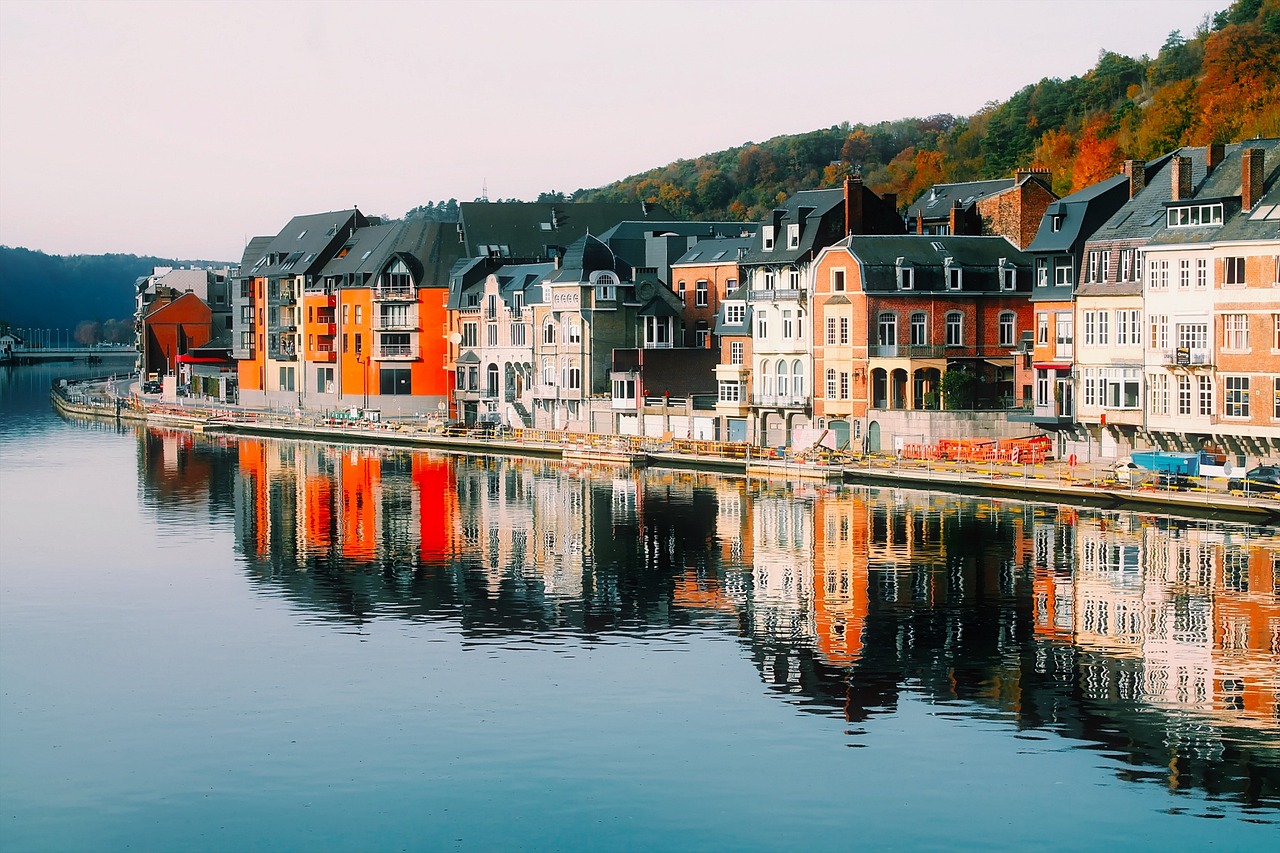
(182, 129)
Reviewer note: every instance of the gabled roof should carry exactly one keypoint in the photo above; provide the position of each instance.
(978, 257)
(306, 243)
(526, 229)
(721, 250)
(1224, 184)
(1078, 215)
(937, 201)
(256, 249)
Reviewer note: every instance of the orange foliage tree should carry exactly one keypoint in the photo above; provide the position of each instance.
(1097, 157)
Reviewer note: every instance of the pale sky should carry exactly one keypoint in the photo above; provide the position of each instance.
(180, 128)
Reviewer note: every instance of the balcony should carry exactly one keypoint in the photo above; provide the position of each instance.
(1187, 357)
(908, 351)
(328, 329)
(396, 324)
(395, 294)
(323, 356)
(780, 401)
(789, 295)
(467, 395)
(397, 352)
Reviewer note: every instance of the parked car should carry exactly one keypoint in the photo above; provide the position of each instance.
(1264, 478)
(152, 387)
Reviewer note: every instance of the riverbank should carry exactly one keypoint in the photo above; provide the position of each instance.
(1050, 482)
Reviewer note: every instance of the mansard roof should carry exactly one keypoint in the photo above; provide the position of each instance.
(531, 229)
(586, 255)
(1078, 215)
(937, 201)
(306, 243)
(928, 255)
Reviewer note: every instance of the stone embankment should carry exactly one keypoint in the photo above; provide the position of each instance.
(1050, 481)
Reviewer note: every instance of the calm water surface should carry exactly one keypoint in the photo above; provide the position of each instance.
(216, 644)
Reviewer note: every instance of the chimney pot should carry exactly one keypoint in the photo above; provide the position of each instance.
(1180, 176)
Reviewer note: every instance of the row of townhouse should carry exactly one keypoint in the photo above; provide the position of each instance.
(1139, 311)
(1157, 308)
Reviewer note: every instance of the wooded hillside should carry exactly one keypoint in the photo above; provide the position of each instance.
(1218, 84)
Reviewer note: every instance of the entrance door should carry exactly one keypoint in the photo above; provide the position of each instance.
(873, 437)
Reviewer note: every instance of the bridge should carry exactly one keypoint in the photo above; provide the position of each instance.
(38, 355)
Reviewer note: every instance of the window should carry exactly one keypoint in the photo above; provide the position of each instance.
(359, 314)
(1235, 332)
(831, 384)
(491, 334)
(736, 350)
(549, 332)
(1104, 327)
(1042, 327)
(919, 329)
(955, 329)
(1042, 272)
(1128, 327)
(762, 326)
(735, 313)
(793, 235)
(1008, 275)
(1233, 271)
(1062, 271)
(573, 378)
(548, 372)
(1064, 334)
(394, 381)
(657, 332)
(1275, 331)
(573, 332)
(359, 343)
(625, 389)
(1008, 328)
(1120, 388)
(1184, 394)
(1192, 335)
(1126, 270)
(787, 328)
(887, 329)
(518, 334)
(844, 330)
(346, 314)
(766, 238)
(1202, 273)
(1160, 331)
(797, 378)
(1042, 389)
(906, 276)
(1090, 328)
(1196, 214)
(831, 330)
(1206, 395)
(344, 342)
(286, 377)
(1160, 393)
(954, 275)
(470, 335)
(700, 294)
(246, 341)
(770, 279)
(793, 278)
(701, 337)
(1091, 271)
(1184, 273)
(730, 391)
(680, 288)
(783, 376)
(1236, 402)
(246, 315)
(844, 385)
(1275, 393)
(837, 280)
(1160, 275)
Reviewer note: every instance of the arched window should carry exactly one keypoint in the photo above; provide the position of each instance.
(782, 378)
(766, 380)
(1008, 328)
(492, 380)
(919, 329)
(548, 372)
(549, 332)
(887, 325)
(955, 329)
(797, 378)
(831, 384)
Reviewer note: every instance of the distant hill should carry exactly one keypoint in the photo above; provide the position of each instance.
(60, 291)
(1218, 84)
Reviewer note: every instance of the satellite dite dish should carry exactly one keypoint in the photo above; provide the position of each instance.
(455, 338)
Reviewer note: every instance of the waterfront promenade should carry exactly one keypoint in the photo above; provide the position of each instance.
(1048, 481)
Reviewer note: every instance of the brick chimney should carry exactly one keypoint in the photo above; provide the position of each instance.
(956, 220)
(1251, 174)
(1180, 176)
(1136, 171)
(1042, 175)
(1213, 156)
(853, 214)
(919, 222)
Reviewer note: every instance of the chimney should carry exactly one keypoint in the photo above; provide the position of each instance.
(1136, 171)
(1251, 174)
(956, 220)
(890, 200)
(1180, 175)
(853, 222)
(1040, 174)
(919, 222)
(1214, 154)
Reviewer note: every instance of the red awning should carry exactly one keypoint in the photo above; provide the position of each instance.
(1051, 366)
(192, 359)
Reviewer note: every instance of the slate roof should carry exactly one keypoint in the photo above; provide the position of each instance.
(821, 204)
(526, 229)
(722, 250)
(978, 257)
(634, 230)
(936, 202)
(521, 278)
(306, 243)
(1081, 212)
(256, 248)
(1223, 183)
(743, 328)
(428, 249)
(589, 254)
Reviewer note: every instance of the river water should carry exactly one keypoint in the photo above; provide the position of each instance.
(215, 644)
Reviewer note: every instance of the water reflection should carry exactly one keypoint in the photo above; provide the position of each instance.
(1153, 640)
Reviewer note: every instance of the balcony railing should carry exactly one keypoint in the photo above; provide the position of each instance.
(396, 323)
(908, 351)
(403, 352)
(784, 401)
(1188, 357)
(395, 294)
(785, 295)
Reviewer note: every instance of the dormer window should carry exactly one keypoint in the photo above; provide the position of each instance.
(1008, 275)
(1055, 221)
(606, 286)
(766, 236)
(953, 274)
(906, 274)
(1185, 216)
(793, 236)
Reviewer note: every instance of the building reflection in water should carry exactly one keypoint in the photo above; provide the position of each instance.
(1157, 639)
